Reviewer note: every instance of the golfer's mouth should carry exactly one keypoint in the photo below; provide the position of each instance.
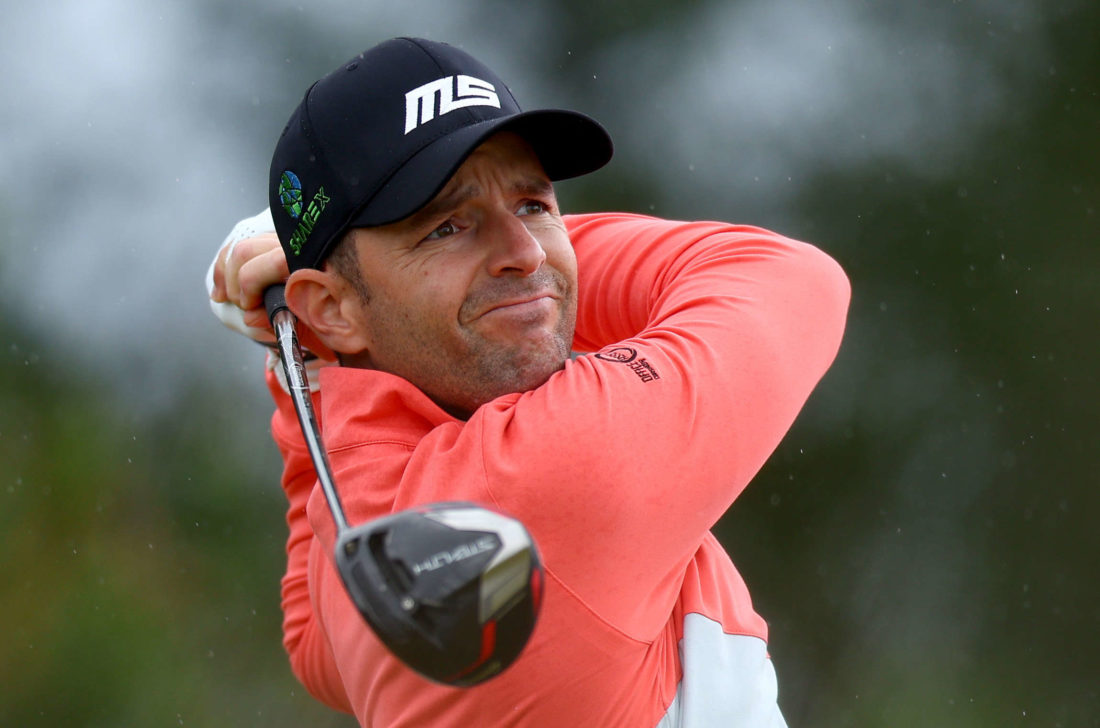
(535, 304)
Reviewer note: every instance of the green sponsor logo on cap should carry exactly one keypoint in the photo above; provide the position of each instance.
(308, 219)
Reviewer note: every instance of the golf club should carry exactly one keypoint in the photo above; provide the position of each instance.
(452, 589)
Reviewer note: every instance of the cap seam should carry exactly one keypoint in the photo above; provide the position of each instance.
(310, 133)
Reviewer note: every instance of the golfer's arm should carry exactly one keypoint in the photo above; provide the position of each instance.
(729, 328)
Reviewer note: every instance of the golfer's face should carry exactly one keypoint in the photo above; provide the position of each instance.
(474, 296)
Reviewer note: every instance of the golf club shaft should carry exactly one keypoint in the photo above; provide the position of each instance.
(290, 353)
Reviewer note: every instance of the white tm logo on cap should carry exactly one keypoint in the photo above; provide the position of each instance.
(453, 92)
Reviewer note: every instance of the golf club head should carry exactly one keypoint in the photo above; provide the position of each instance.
(452, 589)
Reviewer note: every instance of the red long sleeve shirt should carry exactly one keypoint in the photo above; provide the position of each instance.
(705, 340)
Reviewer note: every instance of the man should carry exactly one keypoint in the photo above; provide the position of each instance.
(426, 252)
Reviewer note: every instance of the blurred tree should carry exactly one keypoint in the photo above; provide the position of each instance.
(142, 558)
(923, 540)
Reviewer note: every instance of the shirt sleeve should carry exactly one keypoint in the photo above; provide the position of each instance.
(709, 338)
(311, 658)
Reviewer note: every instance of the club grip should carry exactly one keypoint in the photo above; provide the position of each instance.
(275, 300)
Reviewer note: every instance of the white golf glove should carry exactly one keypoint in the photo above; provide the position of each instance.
(232, 316)
(228, 313)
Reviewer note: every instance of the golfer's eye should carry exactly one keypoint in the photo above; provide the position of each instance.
(532, 207)
(445, 230)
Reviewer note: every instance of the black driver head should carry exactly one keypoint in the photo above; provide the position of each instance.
(452, 589)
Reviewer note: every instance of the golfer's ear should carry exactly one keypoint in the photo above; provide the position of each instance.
(320, 299)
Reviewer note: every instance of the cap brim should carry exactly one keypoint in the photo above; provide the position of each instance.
(567, 143)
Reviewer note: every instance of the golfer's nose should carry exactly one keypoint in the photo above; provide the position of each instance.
(513, 248)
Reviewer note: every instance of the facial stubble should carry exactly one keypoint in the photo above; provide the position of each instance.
(464, 371)
(489, 367)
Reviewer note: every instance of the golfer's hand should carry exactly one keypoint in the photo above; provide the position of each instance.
(243, 270)
(247, 263)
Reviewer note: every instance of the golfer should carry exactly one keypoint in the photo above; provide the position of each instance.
(614, 381)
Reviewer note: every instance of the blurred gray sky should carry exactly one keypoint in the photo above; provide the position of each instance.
(134, 134)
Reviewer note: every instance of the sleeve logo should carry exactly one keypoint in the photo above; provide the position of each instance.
(446, 94)
(626, 355)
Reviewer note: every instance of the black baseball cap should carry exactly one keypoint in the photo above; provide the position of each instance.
(376, 139)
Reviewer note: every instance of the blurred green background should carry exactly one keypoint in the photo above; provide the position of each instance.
(924, 543)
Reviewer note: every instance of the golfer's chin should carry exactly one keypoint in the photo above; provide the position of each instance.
(522, 364)
(539, 356)
(498, 371)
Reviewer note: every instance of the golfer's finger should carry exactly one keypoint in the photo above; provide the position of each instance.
(257, 273)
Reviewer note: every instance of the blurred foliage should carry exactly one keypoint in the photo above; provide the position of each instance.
(923, 543)
(142, 556)
(932, 514)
